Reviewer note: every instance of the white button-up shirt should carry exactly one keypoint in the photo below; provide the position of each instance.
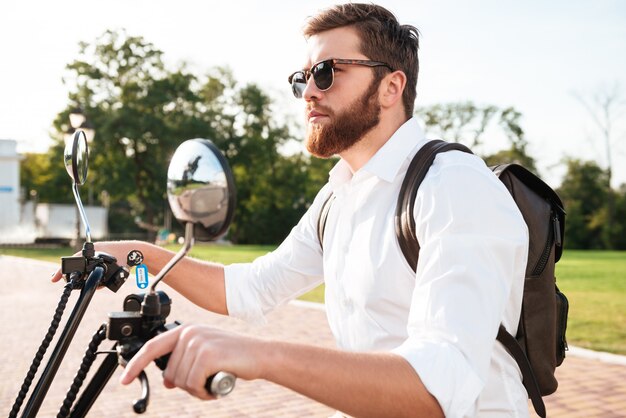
(443, 319)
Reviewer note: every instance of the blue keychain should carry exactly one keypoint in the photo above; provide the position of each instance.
(141, 276)
(135, 258)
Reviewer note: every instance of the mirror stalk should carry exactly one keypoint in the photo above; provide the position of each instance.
(81, 209)
(151, 305)
(189, 240)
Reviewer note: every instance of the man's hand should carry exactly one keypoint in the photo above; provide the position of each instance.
(57, 275)
(118, 249)
(359, 384)
(197, 352)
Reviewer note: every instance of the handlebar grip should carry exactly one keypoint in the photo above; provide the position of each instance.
(220, 384)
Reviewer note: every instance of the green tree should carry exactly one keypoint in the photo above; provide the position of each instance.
(509, 121)
(618, 231)
(458, 122)
(583, 192)
(41, 176)
(467, 122)
(606, 109)
(142, 110)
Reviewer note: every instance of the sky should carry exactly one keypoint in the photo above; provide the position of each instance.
(534, 55)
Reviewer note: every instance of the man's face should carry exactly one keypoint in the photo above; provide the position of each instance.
(340, 116)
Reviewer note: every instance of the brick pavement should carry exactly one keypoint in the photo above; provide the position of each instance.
(588, 387)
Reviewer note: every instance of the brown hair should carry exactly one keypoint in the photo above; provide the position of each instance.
(382, 39)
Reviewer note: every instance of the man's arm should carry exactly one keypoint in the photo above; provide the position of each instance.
(359, 384)
(187, 277)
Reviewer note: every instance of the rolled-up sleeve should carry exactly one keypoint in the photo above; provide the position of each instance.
(295, 267)
(474, 244)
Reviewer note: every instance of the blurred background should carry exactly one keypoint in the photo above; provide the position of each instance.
(542, 83)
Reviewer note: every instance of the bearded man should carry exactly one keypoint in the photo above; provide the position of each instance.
(409, 343)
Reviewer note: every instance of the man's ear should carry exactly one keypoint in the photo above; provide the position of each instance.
(391, 88)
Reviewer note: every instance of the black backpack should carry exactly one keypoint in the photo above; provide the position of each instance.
(540, 344)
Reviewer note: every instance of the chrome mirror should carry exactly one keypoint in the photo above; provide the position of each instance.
(201, 189)
(201, 193)
(76, 159)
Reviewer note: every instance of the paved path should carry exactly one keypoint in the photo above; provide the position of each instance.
(588, 387)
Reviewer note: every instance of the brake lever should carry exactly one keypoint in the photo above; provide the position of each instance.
(140, 405)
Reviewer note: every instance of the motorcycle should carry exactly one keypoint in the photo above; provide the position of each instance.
(201, 194)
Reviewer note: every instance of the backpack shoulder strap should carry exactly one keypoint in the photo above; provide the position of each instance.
(528, 377)
(404, 220)
(323, 216)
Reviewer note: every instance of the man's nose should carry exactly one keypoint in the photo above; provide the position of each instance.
(311, 91)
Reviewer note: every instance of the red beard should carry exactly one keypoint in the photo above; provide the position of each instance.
(345, 128)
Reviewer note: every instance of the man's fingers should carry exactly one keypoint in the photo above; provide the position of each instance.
(181, 358)
(153, 349)
(196, 379)
(56, 276)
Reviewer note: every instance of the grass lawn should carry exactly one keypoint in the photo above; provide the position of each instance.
(593, 281)
(595, 285)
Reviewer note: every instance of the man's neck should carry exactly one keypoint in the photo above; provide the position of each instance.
(360, 153)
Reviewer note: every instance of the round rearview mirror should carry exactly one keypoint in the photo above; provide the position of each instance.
(76, 157)
(201, 189)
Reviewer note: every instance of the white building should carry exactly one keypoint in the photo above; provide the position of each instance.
(9, 184)
(24, 222)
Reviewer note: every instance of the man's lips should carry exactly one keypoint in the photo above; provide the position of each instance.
(314, 115)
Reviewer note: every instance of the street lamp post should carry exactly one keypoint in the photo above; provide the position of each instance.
(78, 120)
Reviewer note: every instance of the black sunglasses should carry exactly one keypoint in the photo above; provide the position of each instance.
(324, 74)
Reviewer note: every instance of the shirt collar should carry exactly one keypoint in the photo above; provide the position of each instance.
(388, 160)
